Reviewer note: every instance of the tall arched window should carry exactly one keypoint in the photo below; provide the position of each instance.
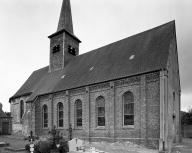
(60, 114)
(128, 109)
(21, 109)
(100, 110)
(78, 113)
(45, 116)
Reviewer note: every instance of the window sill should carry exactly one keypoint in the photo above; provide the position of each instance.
(45, 128)
(60, 128)
(128, 127)
(100, 128)
(78, 128)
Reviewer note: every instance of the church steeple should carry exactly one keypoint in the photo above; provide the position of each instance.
(64, 45)
(65, 20)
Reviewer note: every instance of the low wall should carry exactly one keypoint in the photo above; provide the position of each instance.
(187, 131)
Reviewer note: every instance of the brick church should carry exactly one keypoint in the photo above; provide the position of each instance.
(128, 90)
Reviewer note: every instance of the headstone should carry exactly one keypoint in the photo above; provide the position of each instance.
(75, 144)
(72, 145)
(4, 144)
(92, 150)
(79, 144)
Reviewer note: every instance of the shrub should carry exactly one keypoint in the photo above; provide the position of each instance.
(64, 148)
(46, 146)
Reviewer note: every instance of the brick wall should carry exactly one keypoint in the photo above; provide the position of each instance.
(59, 60)
(153, 108)
(6, 120)
(56, 59)
(17, 121)
(145, 89)
(72, 42)
(187, 131)
(173, 133)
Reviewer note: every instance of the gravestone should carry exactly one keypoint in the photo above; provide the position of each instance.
(75, 144)
(4, 144)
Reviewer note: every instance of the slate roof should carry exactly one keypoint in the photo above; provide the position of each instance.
(145, 52)
(65, 19)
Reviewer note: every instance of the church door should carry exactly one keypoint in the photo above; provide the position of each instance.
(5, 128)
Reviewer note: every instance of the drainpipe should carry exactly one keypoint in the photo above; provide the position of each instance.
(163, 108)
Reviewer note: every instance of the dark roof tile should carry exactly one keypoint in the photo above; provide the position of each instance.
(149, 51)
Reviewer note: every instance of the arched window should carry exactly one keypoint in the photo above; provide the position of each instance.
(21, 109)
(100, 110)
(45, 116)
(78, 113)
(60, 114)
(128, 109)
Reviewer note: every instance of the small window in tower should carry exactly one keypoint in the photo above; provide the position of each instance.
(72, 50)
(56, 48)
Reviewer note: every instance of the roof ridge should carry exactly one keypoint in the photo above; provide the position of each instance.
(157, 27)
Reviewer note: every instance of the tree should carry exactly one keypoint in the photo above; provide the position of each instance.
(186, 118)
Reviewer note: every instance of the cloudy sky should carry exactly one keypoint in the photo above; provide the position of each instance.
(25, 25)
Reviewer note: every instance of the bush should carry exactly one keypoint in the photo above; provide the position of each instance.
(187, 118)
(64, 148)
(46, 146)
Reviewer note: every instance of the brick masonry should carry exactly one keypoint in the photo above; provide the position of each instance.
(17, 123)
(147, 117)
(59, 59)
(145, 89)
(156, 103)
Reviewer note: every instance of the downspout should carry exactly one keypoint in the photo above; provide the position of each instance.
(163, 108)
(52, 113)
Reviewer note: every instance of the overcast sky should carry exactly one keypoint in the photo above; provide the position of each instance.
(25, 25)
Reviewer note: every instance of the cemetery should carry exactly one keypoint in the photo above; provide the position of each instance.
(55, 143)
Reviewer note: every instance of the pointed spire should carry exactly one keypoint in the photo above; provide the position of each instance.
(65, 20)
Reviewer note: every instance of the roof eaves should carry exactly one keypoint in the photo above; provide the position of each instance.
(64, 30)
(14, 97)
(161, 69)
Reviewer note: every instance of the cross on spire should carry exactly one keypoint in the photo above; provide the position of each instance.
(65, 20)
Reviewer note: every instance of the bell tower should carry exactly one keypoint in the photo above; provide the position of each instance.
(64, 45)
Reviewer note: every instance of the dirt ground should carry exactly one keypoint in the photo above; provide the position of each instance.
(14, 142)
(184, 147)
(126, 147)
(117, 147)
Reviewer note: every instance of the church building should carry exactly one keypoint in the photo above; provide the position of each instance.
(128, 90)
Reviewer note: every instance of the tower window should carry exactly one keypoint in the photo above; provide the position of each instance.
(56, 48)
(72, 50)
